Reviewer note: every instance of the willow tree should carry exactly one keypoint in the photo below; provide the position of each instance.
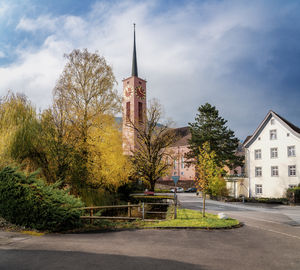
(83, 94)
(151, 154)
(22, 137)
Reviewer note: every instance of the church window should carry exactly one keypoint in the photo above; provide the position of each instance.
(140, 108)
(127, 111)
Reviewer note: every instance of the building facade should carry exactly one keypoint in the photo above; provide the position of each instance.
(273, 157)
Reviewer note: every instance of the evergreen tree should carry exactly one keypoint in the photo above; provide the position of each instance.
(210, 127)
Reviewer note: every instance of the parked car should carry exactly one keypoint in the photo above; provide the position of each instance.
(191, 190)
(178, 190)
(147, 192)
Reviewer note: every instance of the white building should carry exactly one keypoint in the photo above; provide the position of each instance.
(272, 156)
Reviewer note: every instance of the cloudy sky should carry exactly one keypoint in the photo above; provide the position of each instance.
(241, 56)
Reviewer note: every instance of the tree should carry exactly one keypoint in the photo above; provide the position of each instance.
(209, 178)
(150, 158)
(82, 95)
(107, 165)
(210, 127)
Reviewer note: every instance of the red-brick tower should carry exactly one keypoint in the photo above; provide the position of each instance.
(134, 104)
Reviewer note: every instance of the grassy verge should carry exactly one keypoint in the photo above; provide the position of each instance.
(192, 218)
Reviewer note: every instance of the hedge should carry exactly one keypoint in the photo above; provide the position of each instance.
(28, 201)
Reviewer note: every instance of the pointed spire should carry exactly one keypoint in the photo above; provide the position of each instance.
(134, 71)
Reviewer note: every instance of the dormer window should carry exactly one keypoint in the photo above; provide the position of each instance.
(273, 134)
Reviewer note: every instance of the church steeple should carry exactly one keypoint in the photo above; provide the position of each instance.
(134, 71)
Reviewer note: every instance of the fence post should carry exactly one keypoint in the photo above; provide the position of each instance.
(129, 210)
(91, 214)
(143, 210)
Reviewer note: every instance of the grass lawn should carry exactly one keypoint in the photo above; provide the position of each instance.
(192, 218)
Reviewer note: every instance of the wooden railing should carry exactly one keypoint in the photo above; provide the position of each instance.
(141, 208)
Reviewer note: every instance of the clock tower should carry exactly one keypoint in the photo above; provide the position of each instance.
(134, 105)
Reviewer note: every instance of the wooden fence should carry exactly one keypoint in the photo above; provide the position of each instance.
(141, 208)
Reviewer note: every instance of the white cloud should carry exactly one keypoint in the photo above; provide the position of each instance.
(189, 55)
(44, 22)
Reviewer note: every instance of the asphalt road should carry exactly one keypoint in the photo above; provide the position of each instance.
(269, 240)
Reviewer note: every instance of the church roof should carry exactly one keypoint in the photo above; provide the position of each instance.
(183, 135)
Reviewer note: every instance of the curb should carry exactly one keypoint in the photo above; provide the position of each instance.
(241, 224)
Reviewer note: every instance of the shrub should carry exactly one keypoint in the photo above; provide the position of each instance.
(293, 195)
(28, 201)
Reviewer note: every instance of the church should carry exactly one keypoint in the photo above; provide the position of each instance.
(134, 107)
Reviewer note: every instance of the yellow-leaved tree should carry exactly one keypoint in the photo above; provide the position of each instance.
(107, 165)
(209, 178)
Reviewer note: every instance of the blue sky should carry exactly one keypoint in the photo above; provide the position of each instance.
(241, 56)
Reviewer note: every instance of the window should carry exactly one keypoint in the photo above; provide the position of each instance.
(258, 189)
(182, 162)
(140, 111)
(274, 171)
(182, 173)
(272, 121)
(257, 154)
(292, 170)
(292, 186)
(174, 164)
(258, 172)
(273, 134)
(127, 111)
(175, 173)
(291, 151)
(274, 152)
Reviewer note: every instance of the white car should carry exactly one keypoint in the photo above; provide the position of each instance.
(178, 190)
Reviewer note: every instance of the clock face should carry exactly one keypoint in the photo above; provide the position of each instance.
(140, 92)
(128, 91)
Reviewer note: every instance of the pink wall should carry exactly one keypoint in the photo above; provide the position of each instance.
(181, 169)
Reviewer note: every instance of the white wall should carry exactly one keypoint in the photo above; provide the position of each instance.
(273, 186)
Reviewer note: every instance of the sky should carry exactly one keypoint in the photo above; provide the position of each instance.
(241, 56)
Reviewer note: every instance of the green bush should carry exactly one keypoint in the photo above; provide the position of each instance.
(293, 195)
(29, 202)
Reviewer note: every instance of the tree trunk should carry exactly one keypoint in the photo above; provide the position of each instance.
(152, 185)
(203, 209)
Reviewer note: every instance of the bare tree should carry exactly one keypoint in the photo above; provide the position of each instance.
(151, 154)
